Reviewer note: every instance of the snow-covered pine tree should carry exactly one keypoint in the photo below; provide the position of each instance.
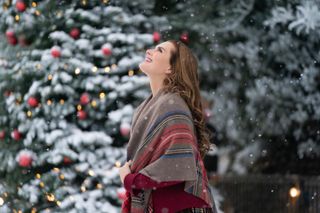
(69, 94)
(259, 63)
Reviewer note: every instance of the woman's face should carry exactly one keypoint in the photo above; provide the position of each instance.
(156, 63)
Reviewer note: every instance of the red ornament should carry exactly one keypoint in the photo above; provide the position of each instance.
(156, 37)
(84, 99)
(106, 51)
(7, 93)
(2, 134)
(66, 160)
(121, 194)
(55, 52)
(82, 114)
(75, 33)
(16, 135)
(10, 33)
(12, 40)
(125, 129)
(184, 37)
(21, 6)
(33, 102)
(25, 160)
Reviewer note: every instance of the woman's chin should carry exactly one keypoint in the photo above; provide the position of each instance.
(143, 67)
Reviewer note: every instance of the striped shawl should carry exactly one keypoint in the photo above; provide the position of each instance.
(163, 146)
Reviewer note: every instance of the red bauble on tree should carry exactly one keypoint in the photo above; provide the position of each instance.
(84, 99)
(33, 102)
(82, 114)
(10, 33)
(56, 52)
(66, 160)
(125, 129)
(106, 49)
(156, 37)
(2, 134)
(184, 37)
(16, 135)
(21, 6)
(75, 33)
(25, 158)
(121, 193)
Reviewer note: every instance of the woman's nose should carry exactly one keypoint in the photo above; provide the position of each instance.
(148, 51)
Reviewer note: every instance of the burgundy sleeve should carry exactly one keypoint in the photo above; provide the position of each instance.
(135, 182)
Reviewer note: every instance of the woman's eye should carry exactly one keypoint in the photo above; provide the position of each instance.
(159, 49)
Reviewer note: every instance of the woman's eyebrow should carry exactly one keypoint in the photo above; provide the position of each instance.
(161, 48)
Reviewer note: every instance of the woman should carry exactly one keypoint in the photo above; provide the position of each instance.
(164, 171)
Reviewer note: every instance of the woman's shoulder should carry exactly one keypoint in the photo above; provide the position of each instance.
(172, 101)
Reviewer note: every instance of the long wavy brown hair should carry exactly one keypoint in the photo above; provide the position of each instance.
(184, 80)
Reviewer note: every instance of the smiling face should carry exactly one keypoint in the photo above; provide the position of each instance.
(157, 61)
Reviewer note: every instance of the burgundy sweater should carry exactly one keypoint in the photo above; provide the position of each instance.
(168, 194)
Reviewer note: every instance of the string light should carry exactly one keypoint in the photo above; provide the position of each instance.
(33, 210)
(34, 4)
(55, 169)
(79, 107)
(61, 176)
(99, 186)
(29, 113)
(105, 1)
(117, 164)
(294, 192)
(38, 176)
(17, 17)
(91, 172)
(83, 188)
(1, 201)
(113, 66)
(77, 71)
(131, 73)
(49, 77)
(107, 69)
(58, 203)
(94, 69)
(61, 101)
(49, 102)
(50, 197)
(102, 95)
(93, 103)
(41, 184)
(37, 12)
(84, 2)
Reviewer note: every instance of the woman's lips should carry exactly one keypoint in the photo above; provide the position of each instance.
(147, 59)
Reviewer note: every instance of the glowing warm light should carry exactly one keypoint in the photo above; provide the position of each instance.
(102, 95)
(1, 201)
(131, 73)
(38, 66)
(294, 192)
(34, 4)
(49, 102)
(93, 103)
(113, 66)
(29, 113)
(55, 169)
(94, 69)
(38, 176)
(17, 17)
(49, 77)
(91, 172)
(83, 189)
(99, 186)
(50, 197)
(61, 101)
(117, 164)
(41, 184)
(77, 71)
(79, 107)
(61, 176)
(37, 12)
(107, 69)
